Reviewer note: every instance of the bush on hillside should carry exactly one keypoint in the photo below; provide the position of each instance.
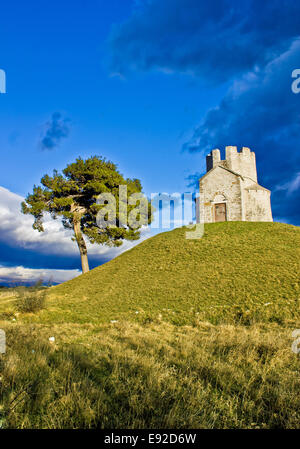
(31, 299)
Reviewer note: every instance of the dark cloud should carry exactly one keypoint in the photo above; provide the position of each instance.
(261, 112)
(217, 40)
(58, 128)
(192, 181)
(12, 256)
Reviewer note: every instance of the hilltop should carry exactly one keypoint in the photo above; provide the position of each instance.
(237, 269)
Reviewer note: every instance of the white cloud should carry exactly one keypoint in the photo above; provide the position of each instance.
(27, 275)
(16, 228)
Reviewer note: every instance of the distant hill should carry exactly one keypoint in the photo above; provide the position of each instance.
(236, 270)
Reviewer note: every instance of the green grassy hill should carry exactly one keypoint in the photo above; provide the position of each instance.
(210, 346)
(237, 269)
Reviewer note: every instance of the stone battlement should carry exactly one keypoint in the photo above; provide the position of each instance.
(243, 162)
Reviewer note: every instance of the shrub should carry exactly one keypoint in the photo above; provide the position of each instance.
(31, 299)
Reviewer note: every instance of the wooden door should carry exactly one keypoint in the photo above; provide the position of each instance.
(220, 212)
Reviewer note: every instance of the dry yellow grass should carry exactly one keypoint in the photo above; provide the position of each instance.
(125, 375)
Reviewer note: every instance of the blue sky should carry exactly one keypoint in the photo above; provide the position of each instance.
(152, 85)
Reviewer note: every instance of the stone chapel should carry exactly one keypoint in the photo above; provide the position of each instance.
(229, 190)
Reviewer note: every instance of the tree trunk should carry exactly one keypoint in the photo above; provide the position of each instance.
(81, 245)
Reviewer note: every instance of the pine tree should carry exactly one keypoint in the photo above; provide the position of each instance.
(73, 196)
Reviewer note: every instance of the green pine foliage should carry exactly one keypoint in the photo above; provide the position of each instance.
(72, 196)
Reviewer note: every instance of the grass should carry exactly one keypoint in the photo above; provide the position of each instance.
(154, 376)
(235, 269)
(210, 346)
